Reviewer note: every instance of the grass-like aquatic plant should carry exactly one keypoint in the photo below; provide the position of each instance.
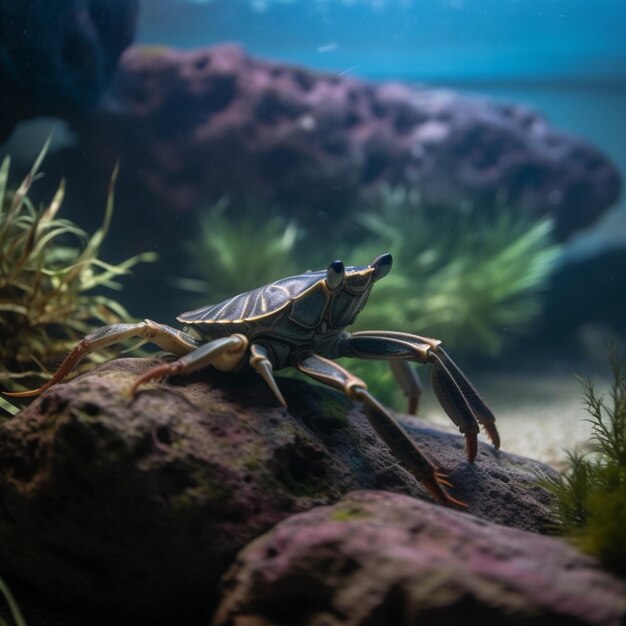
(14, 609)
(49, 269)
(470, 280)
(240, 247)
(591, 494)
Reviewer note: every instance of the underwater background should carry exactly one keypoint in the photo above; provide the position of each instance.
(480, 142)
(158, 156)
(566, 58)
(496, 182)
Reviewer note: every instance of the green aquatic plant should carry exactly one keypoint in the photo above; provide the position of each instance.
(49, 277)
(474, 281)
(239, 247)
(591, 493)
(14, 609)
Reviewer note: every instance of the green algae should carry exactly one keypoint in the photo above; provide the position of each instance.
(332, 411)
(16, 613)
(349, 514)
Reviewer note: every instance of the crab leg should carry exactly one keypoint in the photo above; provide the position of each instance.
(225, 354)
(388, 429)
(454, 391)
(165, 337)
(260, 361)
(442, 362)
(409, 381)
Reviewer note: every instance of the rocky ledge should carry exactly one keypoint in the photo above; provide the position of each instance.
(110, 502)
(199, 124)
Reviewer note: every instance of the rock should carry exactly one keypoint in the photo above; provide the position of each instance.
(139, 507)
(57, 56)
(199, 124)
(381, 558)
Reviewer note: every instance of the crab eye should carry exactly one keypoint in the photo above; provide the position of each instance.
(335, 274)
(382, 266)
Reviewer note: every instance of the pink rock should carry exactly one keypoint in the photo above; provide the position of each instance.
(379, 558)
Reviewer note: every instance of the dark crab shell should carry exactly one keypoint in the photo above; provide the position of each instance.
(265, 301)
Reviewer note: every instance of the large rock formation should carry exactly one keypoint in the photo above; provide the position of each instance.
(58, 56)
(380, 558)
(139, 506)
(190, 126)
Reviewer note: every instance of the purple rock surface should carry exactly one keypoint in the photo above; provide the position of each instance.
(198, 124)
(379, 558)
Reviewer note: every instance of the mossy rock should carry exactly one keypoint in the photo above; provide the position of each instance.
(138, 506)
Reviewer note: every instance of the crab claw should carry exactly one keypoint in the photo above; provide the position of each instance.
(471, 446)
(436, 484)
(493, 434)
(455, 405)
(481, 412)
(437, 489)
(405, 450)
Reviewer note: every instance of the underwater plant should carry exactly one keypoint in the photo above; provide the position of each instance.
(49, 269)
(473, 280)
(239, 247)
(591, 493)
(14, 609)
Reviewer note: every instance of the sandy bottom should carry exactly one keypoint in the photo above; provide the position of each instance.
(540, 416)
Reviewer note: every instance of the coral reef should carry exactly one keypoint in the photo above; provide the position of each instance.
(50, 275)
(57, 56)
(113, 503)
(383, 558)
(321, 144)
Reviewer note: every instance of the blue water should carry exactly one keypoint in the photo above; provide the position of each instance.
(432, 40)
(567, 58)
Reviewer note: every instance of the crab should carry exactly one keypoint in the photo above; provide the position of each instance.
(300, 322)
